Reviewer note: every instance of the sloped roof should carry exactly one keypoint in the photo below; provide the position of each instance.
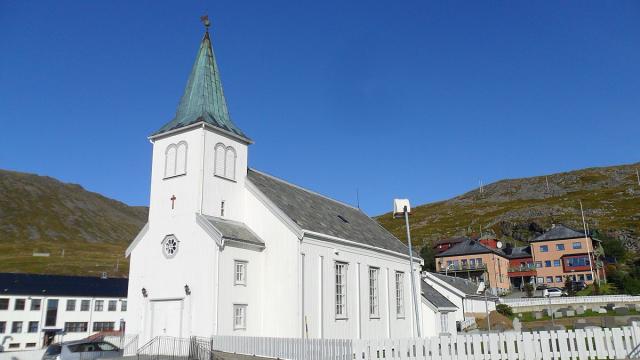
(468, 287)
(558, 232)
(59, 285)
(468, 247)
(203, 98)
(234, 230)
(317, 213)
(434, 297)
(452, 240)
(518, 252)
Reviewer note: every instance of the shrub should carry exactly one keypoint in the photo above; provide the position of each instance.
(505, 310)
(528, 288)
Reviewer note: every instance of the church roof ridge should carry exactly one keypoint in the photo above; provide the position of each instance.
(203, 99)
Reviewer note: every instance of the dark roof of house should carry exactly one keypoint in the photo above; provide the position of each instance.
(434, 297)
(518, 252)
(558, 232)
(58, 285)
(235, 230)
(469, 246)
(315, 212)
(452, 240)
(468, 287)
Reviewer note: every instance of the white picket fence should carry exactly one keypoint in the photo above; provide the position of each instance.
(573, 300)
(616, 343)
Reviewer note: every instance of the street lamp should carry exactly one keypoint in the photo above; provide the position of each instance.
(446, 270)
(401, 207)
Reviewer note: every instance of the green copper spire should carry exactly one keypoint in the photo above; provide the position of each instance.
(203, 99)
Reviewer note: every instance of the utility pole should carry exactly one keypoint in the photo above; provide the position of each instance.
(586, 240)
(638, 176)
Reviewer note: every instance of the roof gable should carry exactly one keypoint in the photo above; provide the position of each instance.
(468, 247)
(559, 232)
(320, 214)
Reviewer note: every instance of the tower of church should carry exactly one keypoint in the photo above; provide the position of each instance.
(200, 156)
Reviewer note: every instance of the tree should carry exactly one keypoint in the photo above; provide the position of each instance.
(614, 248)
(428, 254)
(568, 286)
(528, 288)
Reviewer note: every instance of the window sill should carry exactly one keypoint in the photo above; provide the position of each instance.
(374, 317)
(173, 176)
(240, 329)
(240, 284)
(400, 317)
(224, 178)
(342, 318)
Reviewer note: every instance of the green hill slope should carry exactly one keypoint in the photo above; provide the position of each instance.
(519, 209)
(83, 232)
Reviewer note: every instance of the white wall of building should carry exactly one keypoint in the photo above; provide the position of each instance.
(432, 320)
(36, 339)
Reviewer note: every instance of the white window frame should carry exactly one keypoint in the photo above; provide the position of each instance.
(444, 322)
(374, 292)
(239, 316)
(399, 280)
(341, 271)
(221, 168)
(174, 160)
(242, 265)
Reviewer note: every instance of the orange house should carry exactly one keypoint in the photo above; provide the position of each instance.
(562, 253)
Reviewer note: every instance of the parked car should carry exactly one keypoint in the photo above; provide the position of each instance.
(81, 350)
(542, 286)
(552, 292)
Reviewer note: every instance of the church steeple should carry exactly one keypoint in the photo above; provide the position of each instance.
(203, 99)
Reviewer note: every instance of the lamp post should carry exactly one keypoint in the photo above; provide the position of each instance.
(446, 270)
(401, 207)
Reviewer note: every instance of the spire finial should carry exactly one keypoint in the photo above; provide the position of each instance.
(205, 21)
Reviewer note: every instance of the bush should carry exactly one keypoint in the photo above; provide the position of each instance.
(505, 310)
(528, 288)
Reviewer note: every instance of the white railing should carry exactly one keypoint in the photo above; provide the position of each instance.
(467, 323)
(128, 343)
(285, 348)
(573, 300)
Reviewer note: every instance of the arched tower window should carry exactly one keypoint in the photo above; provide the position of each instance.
(175, 160)
(230, 163)
(219, 159)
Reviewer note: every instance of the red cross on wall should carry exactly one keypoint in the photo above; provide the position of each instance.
(173, 201)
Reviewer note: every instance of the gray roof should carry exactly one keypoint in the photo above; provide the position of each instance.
(518, 252)
(235, 231)
(558, 232)
(468, 247)
(468, 287)
(321, 214)
(434, 297)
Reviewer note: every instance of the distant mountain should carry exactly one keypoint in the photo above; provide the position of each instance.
(83, 232)
(519, 209)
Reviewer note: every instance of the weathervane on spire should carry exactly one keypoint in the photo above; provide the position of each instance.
(205, 21)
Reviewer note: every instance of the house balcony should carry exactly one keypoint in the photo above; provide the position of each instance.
(463, 268)
(523, 270)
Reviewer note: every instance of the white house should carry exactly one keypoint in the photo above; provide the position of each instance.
(462, 293)
(438, 313)
(231, 250)
(36, 310)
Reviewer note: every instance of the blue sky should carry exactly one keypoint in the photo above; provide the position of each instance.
(416, 99)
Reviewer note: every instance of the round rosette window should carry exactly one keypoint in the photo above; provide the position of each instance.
(170, 246)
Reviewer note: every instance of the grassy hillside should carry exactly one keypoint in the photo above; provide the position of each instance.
(519, 209)
(84, 232)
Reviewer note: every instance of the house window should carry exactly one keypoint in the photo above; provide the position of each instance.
(113, 305)
(85, 305)
(19, 304)
(175, 160)
(547, 263)
(4, 304)
(225, 161)
(71, 305)
(589, 277)
(556, 263)
(239, 316)
(341, 290)
(577, 245)
(560, 247)
(104, 326)
(399, 293)
(35, 304)
(558, 279)
(373, 292)
(222, 208)
(540, 280)
(123, 305)
(99, 305)
(14, 346)
(16, 327)
(544, 248)
(52, 312)
(75, 327)
(3, 327)
(33, 327)
(549, 279)
(577, 261)
(444, 322)
(581, 277)
(538, 264)
(240, 273)
(30, 345)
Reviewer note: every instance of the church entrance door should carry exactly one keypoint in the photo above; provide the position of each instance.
(166, 318)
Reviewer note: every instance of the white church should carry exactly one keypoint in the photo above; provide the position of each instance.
(230, 250)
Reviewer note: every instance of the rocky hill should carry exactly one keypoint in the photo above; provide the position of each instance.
(81, 232)
(519, 209)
